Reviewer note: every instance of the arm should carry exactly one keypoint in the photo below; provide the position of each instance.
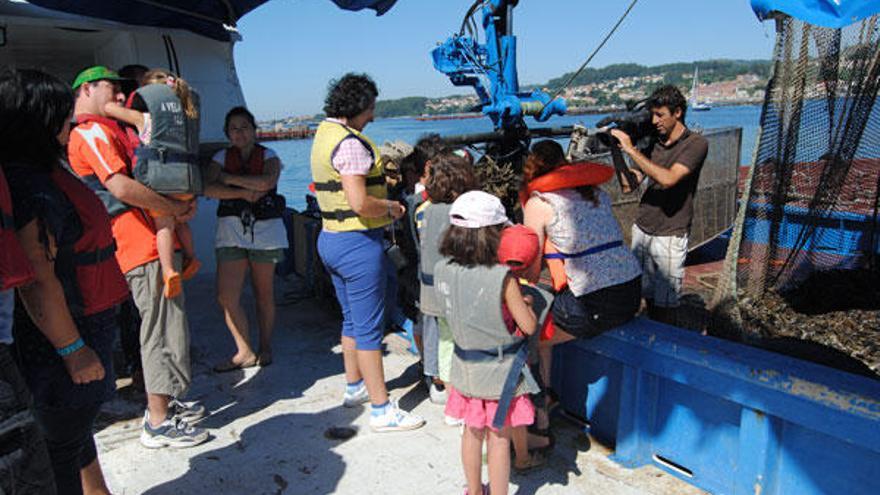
(45, 303)
(522, 313)
(665, 177)
(134, 193)
(355, 189)
(537, 214)
(215, 189)
(118, 112)
(267, 181)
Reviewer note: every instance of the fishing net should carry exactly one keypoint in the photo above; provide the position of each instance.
(803, 260)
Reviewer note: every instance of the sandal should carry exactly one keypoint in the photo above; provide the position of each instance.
(173, 286)
(536, 460)
(191, 268)
(232, 365)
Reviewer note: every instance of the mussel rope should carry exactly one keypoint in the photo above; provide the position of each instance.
(590, 58)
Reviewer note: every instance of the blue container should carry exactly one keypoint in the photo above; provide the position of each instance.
(725, 417)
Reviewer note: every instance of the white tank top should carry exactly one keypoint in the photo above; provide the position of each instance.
(578, 226)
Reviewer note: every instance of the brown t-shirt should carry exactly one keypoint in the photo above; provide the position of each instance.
(668, 212)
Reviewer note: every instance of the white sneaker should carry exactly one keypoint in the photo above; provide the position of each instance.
(356, 398)
(450, 421)
(190, 412)
(173, 432)
(437, 393)
(395, 419)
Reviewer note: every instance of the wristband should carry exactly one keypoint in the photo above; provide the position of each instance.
(70, 349)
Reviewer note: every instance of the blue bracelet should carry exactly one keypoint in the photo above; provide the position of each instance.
(70, 349)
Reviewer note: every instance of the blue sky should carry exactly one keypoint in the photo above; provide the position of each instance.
(292, 48)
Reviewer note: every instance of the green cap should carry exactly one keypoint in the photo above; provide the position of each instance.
(96, 73)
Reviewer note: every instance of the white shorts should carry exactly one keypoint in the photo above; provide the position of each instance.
(662, 260)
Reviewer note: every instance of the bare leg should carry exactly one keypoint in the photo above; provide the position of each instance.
(157, 404)
(520, 437)
(184, 235)
(93, 479)
(498, 444)
(472, 458)
(165, 246)
(262, 277)
(350, 360)
(370, 367)
(545, 364)
(230, 279)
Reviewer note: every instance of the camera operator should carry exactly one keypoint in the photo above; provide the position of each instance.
(660, 233)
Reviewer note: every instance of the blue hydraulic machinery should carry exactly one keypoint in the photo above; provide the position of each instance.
(491, 68)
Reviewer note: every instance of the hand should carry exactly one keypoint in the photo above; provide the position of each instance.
(190, 212)
(83, 366)
(624, 139)
(253, 196)
(396, 210)
(529, 300)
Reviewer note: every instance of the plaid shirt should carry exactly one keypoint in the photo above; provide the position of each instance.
(352, 157)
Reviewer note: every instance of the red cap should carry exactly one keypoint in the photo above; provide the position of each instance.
(518, 245)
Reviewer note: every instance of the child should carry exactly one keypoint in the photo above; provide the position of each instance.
(518, 249)
(166, 226)
(489, 381)
(448, 177)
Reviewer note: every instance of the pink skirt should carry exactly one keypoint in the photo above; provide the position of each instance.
(479, 413)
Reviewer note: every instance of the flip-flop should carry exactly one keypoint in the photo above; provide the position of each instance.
(192, 267)
(264, 359)
(232, 366)
(173, 286)
(536, 460)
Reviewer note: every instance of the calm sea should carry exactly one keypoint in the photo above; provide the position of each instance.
(295, 154)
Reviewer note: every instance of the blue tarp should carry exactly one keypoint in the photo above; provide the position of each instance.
(205, 17)
(825, 13)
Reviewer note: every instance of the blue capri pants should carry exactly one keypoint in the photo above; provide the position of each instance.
(358, 268)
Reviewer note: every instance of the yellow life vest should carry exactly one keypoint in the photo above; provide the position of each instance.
(336, 213)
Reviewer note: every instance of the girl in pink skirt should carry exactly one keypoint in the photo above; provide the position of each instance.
(490, 320)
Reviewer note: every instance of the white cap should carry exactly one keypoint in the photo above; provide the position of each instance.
(475, 209)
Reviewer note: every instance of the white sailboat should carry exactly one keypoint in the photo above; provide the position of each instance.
(694, 103)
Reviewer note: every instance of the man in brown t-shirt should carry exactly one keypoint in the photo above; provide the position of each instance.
(660, 232)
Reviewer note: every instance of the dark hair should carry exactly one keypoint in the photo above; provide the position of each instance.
(238, 112)
(34, 106)
(133, 74)
(472, 247)
(350, 96)
(450, 176)
(670, 97)
(545, 157)
(427, 147)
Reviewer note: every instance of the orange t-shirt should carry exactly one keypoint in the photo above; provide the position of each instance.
(94, 150)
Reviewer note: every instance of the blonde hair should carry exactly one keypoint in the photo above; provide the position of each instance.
(180, 87)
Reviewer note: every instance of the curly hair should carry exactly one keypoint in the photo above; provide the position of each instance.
(450, 176)
(181, 89)
(238, 112)
(350, 96)
(472, 247)
(670, 97)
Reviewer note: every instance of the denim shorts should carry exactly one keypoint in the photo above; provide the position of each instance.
(252, 255)
(591, 314)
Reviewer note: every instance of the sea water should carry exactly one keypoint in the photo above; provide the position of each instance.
(296, 175)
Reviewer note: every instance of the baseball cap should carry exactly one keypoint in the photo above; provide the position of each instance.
(96, 73)
(476, 209)
(518, 246)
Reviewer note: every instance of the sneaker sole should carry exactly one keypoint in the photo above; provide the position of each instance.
(388, 429)
(151, 442)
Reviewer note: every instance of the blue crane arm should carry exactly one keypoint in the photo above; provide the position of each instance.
(490, 69)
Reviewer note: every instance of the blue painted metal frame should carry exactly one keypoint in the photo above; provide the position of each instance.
(726, 417)
(467, 62)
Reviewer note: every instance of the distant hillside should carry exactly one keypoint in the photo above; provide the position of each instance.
(598, 83)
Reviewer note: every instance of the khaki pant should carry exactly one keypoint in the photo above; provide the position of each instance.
(164, 331)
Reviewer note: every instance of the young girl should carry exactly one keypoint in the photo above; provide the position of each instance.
(166, 227)
(489, 380)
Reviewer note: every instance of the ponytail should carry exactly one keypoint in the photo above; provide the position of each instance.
(179, 85)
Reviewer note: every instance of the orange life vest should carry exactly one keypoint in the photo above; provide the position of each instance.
(15, 269)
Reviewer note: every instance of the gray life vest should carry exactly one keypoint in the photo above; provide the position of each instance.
(488, 362)
(170, 163)
(435, 220)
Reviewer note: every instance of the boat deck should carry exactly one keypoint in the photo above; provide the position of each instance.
(268, 425)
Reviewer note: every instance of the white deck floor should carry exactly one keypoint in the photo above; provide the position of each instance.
(268, 427)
